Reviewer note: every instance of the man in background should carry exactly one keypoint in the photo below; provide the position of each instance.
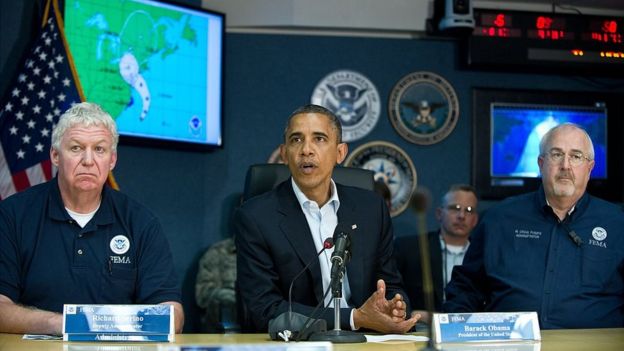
(558, 251)
(73, 240)
(280, 231)
(457, 215)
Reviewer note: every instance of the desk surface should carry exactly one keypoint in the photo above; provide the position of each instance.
(552, 340)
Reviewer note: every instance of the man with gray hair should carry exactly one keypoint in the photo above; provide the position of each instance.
(557, 251)
(74, 240)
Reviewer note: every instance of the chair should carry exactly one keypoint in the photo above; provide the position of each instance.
(264, 177)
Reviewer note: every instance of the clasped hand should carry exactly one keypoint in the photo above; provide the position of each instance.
(385, 316)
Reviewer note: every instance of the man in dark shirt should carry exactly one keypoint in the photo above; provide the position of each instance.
(73, 240)
(558, 251)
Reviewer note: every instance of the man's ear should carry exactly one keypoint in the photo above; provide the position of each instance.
(282, 152)
(343, 150)
(54, 156)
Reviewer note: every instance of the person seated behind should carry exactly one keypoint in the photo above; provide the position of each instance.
(278, 232)
(74, 240)
(558, 251)
(457, 215)
(214, 287)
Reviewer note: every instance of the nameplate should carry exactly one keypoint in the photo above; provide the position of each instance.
(485, 327)
(124, 323)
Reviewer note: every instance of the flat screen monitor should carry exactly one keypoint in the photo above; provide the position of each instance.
(156, 67)
(508, 126)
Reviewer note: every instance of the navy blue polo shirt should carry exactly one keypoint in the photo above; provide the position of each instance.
(121, 256)
(522, 258)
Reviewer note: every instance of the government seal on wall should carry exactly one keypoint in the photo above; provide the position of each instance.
(353, 98)
(391, 165)
(423, 108)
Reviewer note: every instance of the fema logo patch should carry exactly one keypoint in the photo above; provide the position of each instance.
(392, 165)
(423, 108)
(353, 98)
(599, 233)
(120, 244)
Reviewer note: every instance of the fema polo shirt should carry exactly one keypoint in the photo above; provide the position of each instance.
(522, 258)
(46, 260)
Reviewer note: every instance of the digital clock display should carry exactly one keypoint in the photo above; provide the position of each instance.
(496, 25)
(549, 28)
(554, 40)
(606, 30)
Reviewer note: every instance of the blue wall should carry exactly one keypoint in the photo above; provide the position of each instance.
(266, 77)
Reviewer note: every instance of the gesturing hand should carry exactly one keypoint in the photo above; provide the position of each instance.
(385, 316)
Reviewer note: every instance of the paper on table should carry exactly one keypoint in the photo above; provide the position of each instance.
(41, 337)
(395, 337)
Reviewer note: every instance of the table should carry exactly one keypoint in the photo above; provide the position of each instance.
(552, 340)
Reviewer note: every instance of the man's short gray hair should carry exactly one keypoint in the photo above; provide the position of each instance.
(545, 142)
(86, 114)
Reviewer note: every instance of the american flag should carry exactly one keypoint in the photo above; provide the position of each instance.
(43, 89)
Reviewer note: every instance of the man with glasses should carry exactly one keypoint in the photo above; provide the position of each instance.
(558, 251)
(457, 215)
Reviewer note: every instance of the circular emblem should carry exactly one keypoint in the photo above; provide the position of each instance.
(391, 165)
(353, 98)
(423, 108)
(599, 233)
(120, 244)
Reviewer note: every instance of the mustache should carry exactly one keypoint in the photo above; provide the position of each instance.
(565, 175)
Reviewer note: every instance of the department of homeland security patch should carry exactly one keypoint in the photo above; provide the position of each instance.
(353, 98)
(423, 108)
(390, 164)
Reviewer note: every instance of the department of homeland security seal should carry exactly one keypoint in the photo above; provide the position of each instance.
(423, 108)
(353, 98)
(120, 244)
(390, 164)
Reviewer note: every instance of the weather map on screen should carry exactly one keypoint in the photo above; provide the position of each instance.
(155, 67)
(516, 130)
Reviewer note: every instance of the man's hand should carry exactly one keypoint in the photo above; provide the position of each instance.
(385, 316)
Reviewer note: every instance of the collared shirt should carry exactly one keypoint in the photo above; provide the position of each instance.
(322, 222)
(523, 258)
(46, 259)
(452, 255)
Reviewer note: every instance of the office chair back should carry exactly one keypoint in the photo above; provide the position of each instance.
(264, 177)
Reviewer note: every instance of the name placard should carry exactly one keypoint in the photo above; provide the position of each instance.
(118, 323)
(484, 327)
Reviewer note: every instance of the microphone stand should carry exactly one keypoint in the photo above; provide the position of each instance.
(337, 335)
(419, 203)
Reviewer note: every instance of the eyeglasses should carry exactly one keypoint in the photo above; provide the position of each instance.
(456, 208)
(575, 159)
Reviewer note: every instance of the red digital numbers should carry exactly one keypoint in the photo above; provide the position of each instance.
(499, 21)
(543, 22)
(609, 26)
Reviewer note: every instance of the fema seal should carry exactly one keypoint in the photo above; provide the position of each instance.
(599, 233)
(120, 244)
(392, 166)
(423, 108)
(353, 98)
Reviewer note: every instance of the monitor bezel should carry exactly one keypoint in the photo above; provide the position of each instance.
(179, 144)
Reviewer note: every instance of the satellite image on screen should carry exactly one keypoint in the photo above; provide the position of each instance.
(517, 130)
(156, 68)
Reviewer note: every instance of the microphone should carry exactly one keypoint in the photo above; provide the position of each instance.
(419, 202)
(281, 326)
(340, 256)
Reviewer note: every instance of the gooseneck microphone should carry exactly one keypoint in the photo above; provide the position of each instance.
(340, 256)
(419, 204)
(283, 326)
(327, 244)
